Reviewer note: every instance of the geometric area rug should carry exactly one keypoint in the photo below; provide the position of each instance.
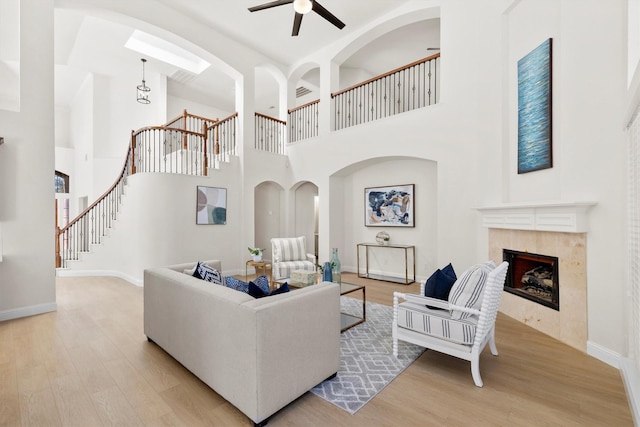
(367, 364)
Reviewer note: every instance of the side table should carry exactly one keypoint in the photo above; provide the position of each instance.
(263, 265)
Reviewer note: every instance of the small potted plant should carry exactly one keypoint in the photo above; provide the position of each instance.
(256, 253)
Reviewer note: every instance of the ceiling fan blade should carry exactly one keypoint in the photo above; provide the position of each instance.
(297, 20)
(270, 5)
(317, 8)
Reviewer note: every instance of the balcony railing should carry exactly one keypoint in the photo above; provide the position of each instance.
(269, 134)
(303, 121)
(413, 86)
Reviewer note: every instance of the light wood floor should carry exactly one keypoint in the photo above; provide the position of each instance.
(89, 364)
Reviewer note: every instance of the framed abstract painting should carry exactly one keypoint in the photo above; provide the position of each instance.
(534, 110)
(211, 205)
(391, 206)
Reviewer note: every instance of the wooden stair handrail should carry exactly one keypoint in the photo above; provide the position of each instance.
(303, 106)
(226, 119)
(388, 73)
(264, 116)
(99, 199)
(188, 132)
(185, 114)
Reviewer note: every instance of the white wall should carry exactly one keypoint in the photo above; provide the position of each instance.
(10, 55)
(176, 105)
(304, 213)
(267, 213)
(63, 132)
(588, 140)
(27, 270)
(424, 175)
(81, 135)
(157, 226)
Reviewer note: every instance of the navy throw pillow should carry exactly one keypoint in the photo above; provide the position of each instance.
(281, 290)
(257, 292)
(263, 283)
(440, 283)
(448, 270)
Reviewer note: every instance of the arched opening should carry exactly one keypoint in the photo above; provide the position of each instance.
(268, 220)
(307, 215)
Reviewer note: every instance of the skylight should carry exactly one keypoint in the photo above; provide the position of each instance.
(165, 51)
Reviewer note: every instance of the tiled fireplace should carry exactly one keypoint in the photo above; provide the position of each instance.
(528, 230)
(533, 277)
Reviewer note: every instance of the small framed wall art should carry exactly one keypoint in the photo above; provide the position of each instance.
(391, 206)
(211, 205)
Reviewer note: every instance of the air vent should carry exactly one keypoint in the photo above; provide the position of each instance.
(302, 91)
(183, 77)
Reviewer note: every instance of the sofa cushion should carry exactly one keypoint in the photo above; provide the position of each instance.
(437, 323)
(209, 274)
(237, 284)
(257, 292)
(261, 282)
(283, 270)
(468, 289)
(289, 249)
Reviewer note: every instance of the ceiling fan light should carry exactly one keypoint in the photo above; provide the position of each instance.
(302, 6)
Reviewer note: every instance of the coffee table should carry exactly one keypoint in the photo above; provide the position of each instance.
(348, 320)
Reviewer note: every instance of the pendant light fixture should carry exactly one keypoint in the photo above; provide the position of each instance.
(143, 89)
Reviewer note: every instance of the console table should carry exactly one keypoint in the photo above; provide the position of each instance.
(409, 262)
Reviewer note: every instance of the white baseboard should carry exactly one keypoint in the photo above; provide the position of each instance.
(631, 378)
(603, 354)
(28, 311)
(63, 272)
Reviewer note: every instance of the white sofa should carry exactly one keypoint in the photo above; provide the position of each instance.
(259, 354)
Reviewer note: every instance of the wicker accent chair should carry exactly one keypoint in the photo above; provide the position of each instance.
(457, 330)
(289, 254)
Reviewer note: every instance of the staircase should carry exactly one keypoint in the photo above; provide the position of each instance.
(187, 145)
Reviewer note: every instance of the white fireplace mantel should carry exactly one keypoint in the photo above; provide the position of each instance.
(565, 217)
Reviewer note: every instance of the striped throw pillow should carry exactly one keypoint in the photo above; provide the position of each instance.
(467, 291)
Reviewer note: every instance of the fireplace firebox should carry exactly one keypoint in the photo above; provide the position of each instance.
(533, 276)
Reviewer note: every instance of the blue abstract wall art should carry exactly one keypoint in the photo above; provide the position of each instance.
(391, 206)
(534, 110)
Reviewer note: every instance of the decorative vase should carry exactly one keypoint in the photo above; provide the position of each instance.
(335, 262)
(326, 272)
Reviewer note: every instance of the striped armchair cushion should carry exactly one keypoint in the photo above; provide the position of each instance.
(437, 323)
(284, 269)
(289, 249)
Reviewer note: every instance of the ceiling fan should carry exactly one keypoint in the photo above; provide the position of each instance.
(301, 7)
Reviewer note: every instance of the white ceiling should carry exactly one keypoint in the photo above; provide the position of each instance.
(89, 44)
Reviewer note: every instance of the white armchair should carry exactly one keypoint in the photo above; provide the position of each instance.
(462, 329)
(289, 254)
